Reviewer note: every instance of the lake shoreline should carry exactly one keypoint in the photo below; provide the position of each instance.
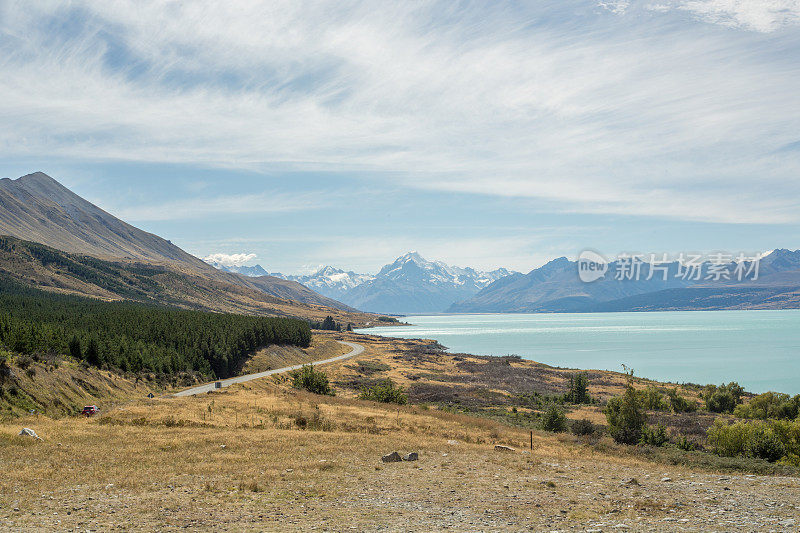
(757, 350)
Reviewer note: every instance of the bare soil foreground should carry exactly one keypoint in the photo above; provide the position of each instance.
(262, 456)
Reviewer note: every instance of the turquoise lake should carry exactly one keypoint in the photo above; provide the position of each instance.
(759, 349)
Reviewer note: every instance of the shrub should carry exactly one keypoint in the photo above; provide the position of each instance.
(654, 436)
(311, 380)
(685, 444)
(729, 440)
(385, 392)
(625, 415)
(578, 389)
(554, 419)
(329, 324)
(770, 405)
(771, 440)
(652, 399)
(723, 399)
(24, 362)
(370, 367)
(678, 403)
(766, 445)
(583, 427)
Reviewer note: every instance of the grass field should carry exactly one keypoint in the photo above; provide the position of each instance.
(263, 456)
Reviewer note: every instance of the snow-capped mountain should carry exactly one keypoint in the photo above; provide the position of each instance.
(251, 271)
(412, 284)
(414, 267)
(332, 282)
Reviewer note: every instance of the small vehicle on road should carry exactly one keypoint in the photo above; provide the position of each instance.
(90, 410)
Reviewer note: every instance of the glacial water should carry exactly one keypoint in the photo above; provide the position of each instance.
(759, 349)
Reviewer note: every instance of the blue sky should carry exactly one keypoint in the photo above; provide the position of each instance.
(483, 134)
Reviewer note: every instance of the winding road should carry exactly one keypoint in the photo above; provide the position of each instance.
(208, 387)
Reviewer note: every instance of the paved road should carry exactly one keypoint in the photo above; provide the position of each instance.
(356, 349)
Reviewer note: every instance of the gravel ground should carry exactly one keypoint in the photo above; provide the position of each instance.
(457, 487)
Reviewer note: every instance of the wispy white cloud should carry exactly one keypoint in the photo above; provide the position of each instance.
(635, 111)
(194, 208)
(229, 259)
(756, 15)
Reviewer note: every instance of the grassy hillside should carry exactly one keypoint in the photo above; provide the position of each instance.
(40, 266)
(55, 387)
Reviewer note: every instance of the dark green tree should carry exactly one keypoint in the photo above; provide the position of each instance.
(578, 388)
(625, 415)
(93, 353)
(75, 348)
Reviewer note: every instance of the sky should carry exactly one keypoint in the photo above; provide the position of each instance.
(484, 134)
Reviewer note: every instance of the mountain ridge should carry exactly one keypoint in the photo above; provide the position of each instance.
(556, 287)
(36, 208)
(409, 284)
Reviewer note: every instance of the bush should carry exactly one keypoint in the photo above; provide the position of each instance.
(583, 427)
(554, 419)
(679, 404)
(24, 362)
(652, 399)
(766, 445)
(654, 436)
(311, 380)
(578, 389)
(329, 324)
(770, 405)
(723, 399)
(385, 392)
(771, 440)
(369, 367)
(625, 415)
(685, 444)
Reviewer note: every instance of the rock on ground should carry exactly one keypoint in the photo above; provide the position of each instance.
(393, 457)
(28, 432)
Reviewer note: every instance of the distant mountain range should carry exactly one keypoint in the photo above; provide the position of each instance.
(59, 241)
(410, 284)
(249, 271)
(556, 287)
(332, 282)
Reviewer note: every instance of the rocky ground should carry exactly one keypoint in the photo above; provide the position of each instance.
(452, 487)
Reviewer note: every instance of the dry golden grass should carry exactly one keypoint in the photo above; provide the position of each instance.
(263, 456)
(58, 388)
(239, 460)
(323, 346)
